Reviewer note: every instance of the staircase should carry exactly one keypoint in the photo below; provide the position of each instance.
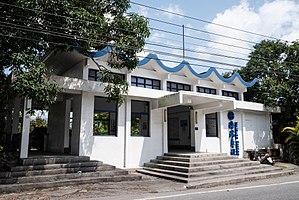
(201, 170)
(56, 171)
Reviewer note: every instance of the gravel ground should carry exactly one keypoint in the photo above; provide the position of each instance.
(148, 184)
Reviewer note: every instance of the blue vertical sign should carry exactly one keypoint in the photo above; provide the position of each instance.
(233, 134)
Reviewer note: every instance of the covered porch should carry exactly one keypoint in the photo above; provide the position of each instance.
(202, 108)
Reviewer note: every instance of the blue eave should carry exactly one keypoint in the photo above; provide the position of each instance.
(179, 67)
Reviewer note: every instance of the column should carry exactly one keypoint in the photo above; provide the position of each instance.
(164, 131)
(25, 128)
(68, 103)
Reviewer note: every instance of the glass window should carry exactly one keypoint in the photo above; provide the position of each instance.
(140, 118)
(230, 94)
(206, 90)
(211, 125)
(145, 82)
(105, 117)
(175, 87)
(95, 75)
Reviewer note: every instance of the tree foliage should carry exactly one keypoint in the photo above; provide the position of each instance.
(293, 141)
(31, 28)
(276, 65)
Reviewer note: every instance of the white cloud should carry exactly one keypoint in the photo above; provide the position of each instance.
(173, 8)
(278, 18)
(143, 11)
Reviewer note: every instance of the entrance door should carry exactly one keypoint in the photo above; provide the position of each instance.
(179, 132)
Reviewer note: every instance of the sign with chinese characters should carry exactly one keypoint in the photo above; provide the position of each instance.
(233, 134)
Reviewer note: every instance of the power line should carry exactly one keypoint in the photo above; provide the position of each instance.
(91, 22)
(156, 44)
(166, 60)
(35, 10)
(197, 38)
(147, 50)
(205, 21)
(200, 30)
(75, 30)
(88, 40)
(196, 51)
(86, 21)
(174, 55)
(194, 44)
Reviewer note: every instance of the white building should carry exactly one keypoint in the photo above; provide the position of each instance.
(165, 109)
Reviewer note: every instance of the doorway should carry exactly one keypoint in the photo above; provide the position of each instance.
(179, 129)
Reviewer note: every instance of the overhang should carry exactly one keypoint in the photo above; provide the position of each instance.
(208, 103)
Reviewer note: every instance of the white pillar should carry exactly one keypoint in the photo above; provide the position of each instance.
(68, 103)
(200, 132)
(127, 133)
(242, 139)
(192, 128)
(25, 129)
(165, 131)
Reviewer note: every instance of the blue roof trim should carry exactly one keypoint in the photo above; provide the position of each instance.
(101, 53)
(180, 66)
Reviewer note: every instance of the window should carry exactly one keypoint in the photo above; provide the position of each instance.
(211, 125)
(175, 87)
(206, 90)
(95, 75)
(230, 94)
(105, 117)
(145, 82)
(140, 118)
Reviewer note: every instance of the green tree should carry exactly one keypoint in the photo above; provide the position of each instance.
(276, 65)
(31, 28)
(293, 141)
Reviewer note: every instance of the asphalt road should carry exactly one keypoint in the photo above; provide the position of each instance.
(275, 191)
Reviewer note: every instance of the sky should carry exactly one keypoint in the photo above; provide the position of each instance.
(275, 18)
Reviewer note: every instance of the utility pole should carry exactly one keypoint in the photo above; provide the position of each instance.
(183, 41)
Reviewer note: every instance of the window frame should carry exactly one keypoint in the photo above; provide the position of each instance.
(97, 75)
(174, 86)
(205, 89)
(142, 82)
(98, 111)
(211, 135)
(140, 114)
(227, 93)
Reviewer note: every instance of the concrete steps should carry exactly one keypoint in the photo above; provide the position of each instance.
(55, 171)
(207, 169)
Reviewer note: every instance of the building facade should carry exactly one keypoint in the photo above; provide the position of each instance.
(166, 109)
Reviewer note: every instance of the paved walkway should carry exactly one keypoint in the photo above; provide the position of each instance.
(148, 186)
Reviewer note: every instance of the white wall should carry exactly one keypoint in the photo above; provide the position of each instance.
(142, 149)
(254, 129)
(257, 130)
(224, 131)
(202, 142)
(109, 149)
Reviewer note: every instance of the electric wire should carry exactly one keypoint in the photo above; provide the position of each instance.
(101, 42)
(205, 21)
(48, 13)
(150, 43)
(82, 39)
(200, 30)
(155, 36)
(161, 59)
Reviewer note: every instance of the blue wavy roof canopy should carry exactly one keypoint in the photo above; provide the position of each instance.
(179, 67)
